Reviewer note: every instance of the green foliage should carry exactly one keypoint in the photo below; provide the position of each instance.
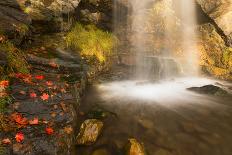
(15, 58)
(91, 41)
(4, 101)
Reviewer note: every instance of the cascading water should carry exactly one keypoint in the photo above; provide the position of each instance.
(189, 20)
(139, 34)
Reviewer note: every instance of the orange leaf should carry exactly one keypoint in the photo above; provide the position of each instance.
(35, 121)
(33, 95)
(49, 83)
(4, 83)
(18, 118)
(44, 97)
(19, 137)
(49, 130)
(68, 129)
(6, 141)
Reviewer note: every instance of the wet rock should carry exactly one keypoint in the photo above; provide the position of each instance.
(162, 152)
(221, 13)
(209, 89)
(50, 15)
(13, 21)
(215, 56)
(100, 152)
(134, 148)
(89, 132)
(99, 113)
(146, 123)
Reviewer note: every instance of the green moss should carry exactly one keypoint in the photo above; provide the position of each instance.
(91, 41)
(4, 101)
(15, 58)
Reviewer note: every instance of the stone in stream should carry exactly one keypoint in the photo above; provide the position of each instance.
(210, 90)
(89, 132)
(134, 148)
(100, 152)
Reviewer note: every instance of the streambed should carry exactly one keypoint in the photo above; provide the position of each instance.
(164, 116)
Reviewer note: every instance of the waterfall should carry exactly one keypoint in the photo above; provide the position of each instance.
(189, 20)
(135, 25)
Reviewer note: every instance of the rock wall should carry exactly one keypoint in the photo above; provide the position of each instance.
(98, 12)
(221, 13)
(215, 38)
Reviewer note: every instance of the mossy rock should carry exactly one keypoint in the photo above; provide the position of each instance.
(89, 132)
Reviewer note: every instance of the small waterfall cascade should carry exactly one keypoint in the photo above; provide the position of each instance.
(147, 39)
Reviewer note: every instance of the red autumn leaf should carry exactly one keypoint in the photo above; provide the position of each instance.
(35, 121)
(6, 141)
(19, 137)
(44, 97)
(49, 130)
(18, 118)
(53, 64)
(33, 95)
(4, 83)
(39, 77)
(49, 83)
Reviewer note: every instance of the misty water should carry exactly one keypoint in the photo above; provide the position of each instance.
(164, 116)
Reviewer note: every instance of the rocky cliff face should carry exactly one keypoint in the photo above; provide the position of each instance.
(215, 38)
(221, 13)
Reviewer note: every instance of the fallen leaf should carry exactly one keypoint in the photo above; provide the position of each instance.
(35, 121)
(53, 114)
(18, 118)
(4, 83)
(53, 64)
(44, 97)
(68, 130)
(39, 77)
(55, 106)
(19, 137)
(33, 95)
(6, 141)
(22, 92)
(49, 130)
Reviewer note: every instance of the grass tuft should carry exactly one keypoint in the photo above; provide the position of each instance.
(91, 41)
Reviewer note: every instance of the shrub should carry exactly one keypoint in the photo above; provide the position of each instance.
(91, 41)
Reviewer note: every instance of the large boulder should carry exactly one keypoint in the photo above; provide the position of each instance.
(98, 12)
(13, 21)
(210, 90)
(50, 15)
(221, 12)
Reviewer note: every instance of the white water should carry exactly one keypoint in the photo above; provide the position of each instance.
(138, 30)
(189, 20)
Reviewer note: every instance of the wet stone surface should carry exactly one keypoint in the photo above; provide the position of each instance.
(50, 99)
